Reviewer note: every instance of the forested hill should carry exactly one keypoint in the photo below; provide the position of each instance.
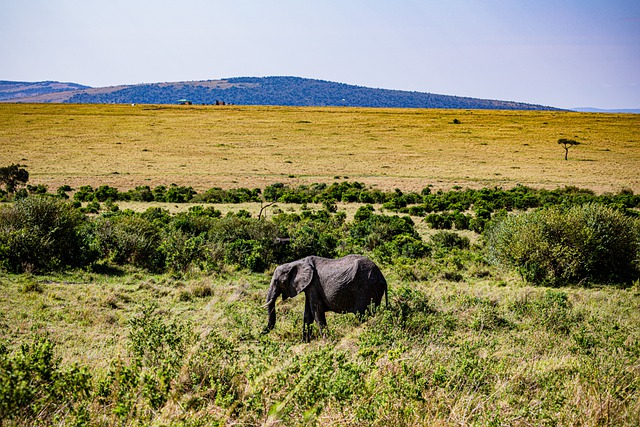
(289, 91)
(14, 91)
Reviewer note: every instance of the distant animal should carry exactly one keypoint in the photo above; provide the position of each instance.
(352, 284)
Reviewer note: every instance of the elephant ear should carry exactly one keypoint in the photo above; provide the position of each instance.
(300, 277)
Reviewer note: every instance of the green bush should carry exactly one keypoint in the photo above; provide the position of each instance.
(84, 194)
(247, 242)
(310, 233)
(91, 207)
(214, 367)
(402, 246)
(587, 243)
(155, 343)
(104, 193)
(129, 239)
(159, 193)
(34, 387)
(442, 221)
(158, 216)
(449, 240)
(13, 177)
(371, 230)
(157, 349)
(41, 233)
(182, 251)
(37, 189)
(179, 194)
(141, 194)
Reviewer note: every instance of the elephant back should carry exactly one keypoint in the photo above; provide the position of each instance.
(351, 284)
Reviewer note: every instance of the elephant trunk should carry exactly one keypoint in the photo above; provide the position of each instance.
(272, 294)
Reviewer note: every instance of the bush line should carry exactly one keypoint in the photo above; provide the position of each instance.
(481, 201)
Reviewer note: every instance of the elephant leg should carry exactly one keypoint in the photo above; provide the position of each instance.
(321, 320)
(317, 311)
(308, 321)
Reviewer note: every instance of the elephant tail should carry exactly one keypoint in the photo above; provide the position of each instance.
(385, 291)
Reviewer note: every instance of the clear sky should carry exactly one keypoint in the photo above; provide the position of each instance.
(563, 53)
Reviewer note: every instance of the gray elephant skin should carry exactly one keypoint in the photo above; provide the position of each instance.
(352, 284)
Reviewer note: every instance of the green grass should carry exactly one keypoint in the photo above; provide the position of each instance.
(486, 350)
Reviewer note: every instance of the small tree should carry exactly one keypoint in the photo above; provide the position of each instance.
(12, 176)
(567, 143)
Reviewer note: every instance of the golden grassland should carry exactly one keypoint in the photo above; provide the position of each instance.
(247, 146)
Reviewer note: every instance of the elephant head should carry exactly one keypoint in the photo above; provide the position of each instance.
(288, 280)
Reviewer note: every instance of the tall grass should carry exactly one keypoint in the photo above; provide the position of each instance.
(469, 353)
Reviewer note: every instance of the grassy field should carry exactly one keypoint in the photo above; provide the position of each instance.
(462, 341)
(482, 351)
(233, 146)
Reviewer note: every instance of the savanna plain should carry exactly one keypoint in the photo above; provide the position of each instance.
(158, 319)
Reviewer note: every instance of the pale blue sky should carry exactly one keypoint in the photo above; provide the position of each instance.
(563, 53)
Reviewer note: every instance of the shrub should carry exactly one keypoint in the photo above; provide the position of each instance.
(62, 191)
(310, 233)
(450, 240)
(179, 194)
(249, 254)
(363, 213)
(201, 211)
(156, 343)
(104, 193)
(91, 207)
(182, 251)
(158, 216)
(372, 230)
(461, 221)
(311, 239)
(192, 223)
(129, 239)
(157, 349)
(34, 387)
(442, 221)
(404, 246)
(214, 367)
(13, 177)
(42, 233)
(559, 246)
(159, 193)
(141, 194)
(84, 194)
(247, 242)
(37, 189)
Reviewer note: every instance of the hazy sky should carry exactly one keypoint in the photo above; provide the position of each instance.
(563, 53)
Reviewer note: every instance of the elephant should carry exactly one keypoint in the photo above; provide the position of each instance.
(352, 284)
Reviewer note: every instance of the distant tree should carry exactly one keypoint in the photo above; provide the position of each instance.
(567, 143)
(13, 176)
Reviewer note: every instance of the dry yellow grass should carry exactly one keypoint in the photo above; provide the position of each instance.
(233, 146)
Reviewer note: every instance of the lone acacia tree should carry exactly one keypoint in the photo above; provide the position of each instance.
(567, 143)
(12, 176)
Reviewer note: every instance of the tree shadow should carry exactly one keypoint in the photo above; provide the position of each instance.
(107, 269)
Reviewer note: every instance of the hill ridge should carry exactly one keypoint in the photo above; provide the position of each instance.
(274, 90)
(15, 91)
